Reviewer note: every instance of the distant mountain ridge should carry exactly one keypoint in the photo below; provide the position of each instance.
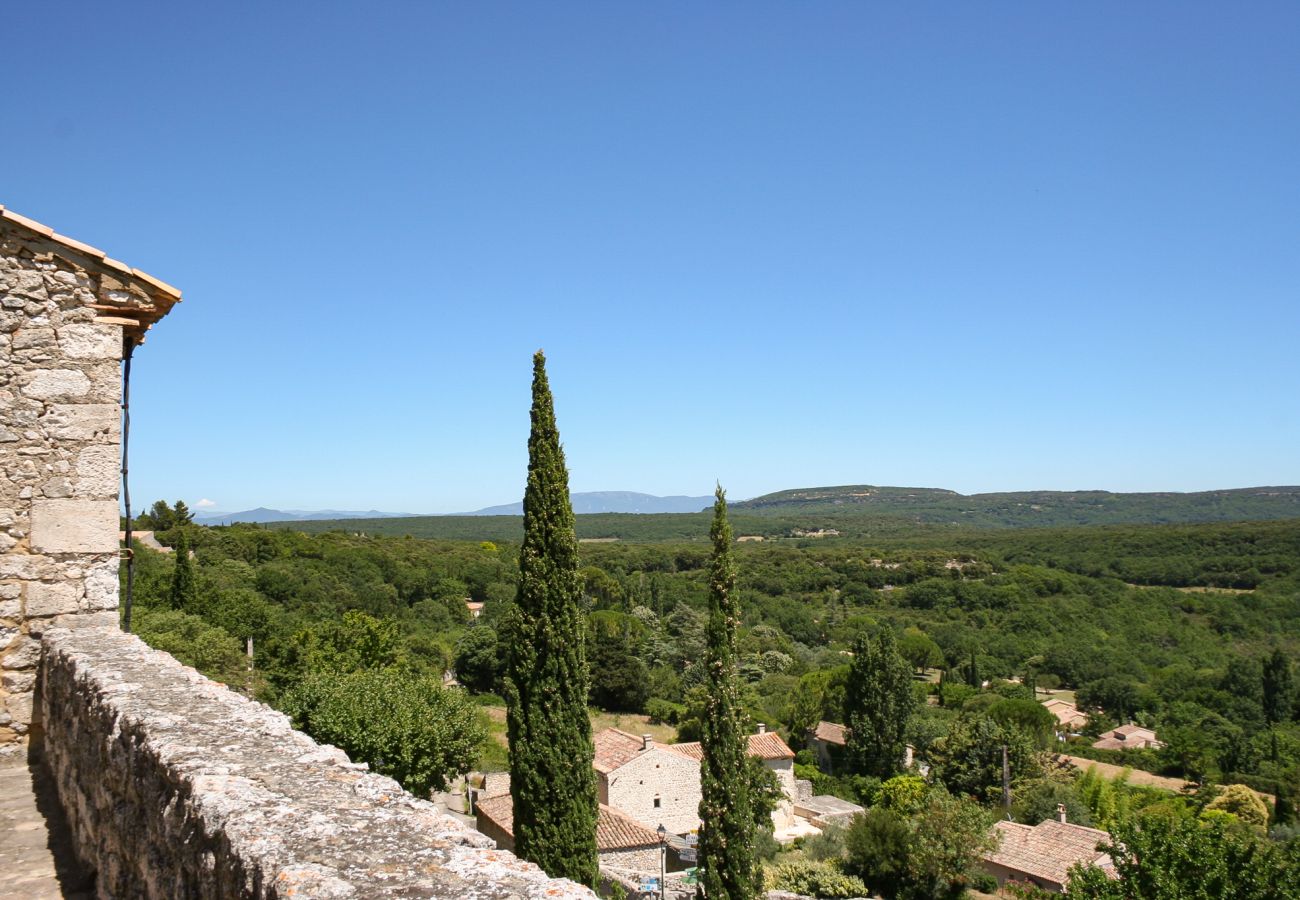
(590, 502)
(263, 514)
(586, 503)
(1022, 508)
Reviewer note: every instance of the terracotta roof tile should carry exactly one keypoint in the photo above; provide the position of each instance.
(615, 748)
(765, 746)
(831, 733)
(614, 831)
(162, 295)
(1049, 849)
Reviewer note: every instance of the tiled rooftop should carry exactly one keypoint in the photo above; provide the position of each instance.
(1048, 850)
(615, 748)
(767, 745)
(614, 831)
(831, 733)
(141, 300)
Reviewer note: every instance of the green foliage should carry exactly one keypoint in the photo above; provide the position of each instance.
(546, 674)
(877, 704)
(1029, 717)
(904, 794)
(477, 660)
(827, 844)
(406, 726)
(727, 867)
(1180, 858)
(194, 642)
(814, 879)
(1036, 801)
(620, 681)
(184, 589)
(931, 852)
(1242, 802)
(969, 759)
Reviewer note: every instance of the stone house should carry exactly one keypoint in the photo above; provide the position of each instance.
(68, 313)
(775, 754)
(648, 781)
(1069, 718)
(1043, 855)
(659, 784)
(621, 842)
(1128, 737)
(827, 741)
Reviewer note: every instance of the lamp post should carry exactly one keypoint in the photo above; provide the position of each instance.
(663, 859)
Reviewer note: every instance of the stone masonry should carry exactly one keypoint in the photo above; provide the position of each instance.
(175, 786)
(65, 310)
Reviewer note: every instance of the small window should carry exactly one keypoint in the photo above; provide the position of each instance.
(656, 802)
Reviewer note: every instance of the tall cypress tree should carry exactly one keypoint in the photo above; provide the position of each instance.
(546, 676)
(878, 701)
(184, 588)
(727, 868)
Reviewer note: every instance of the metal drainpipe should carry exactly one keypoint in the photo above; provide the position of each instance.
(128, 348)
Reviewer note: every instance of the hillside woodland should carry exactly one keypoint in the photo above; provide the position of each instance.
(1188, 629)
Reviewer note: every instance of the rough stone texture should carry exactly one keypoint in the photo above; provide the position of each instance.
(74, 526)
(60, 435)
(175, 786)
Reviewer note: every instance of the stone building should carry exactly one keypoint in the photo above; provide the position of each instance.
(648, 781)
(67, 311)
(776, 755)
(621, 842)
(659, 784)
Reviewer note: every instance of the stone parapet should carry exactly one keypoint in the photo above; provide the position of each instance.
(175, 786)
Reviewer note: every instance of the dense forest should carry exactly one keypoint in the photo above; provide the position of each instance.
(1189, 629)
(869, 512)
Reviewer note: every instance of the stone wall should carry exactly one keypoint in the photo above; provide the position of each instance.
(177, 787)
(60, 395)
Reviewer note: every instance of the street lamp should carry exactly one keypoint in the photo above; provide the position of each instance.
(663, 859)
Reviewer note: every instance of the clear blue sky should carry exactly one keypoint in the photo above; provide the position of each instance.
(982, 246)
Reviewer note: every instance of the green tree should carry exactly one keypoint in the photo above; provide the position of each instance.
(1277, 688)
(969, 759)
(476, 660)
(1169, 857)
(406, 726)
(727, 868)
(185, 588)
(878, 701)
(547, 680)
(919, 649)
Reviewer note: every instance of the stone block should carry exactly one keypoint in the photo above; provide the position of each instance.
(98, 471)
(74, 526)
(50, 384)
(107, 618)
(91, 340)
(102, 586)
(52, 599)
(19, 707)
(22, 654)
(82, 421)
(33, 338)
(18, 682)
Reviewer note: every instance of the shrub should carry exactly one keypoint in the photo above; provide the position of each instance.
(814, 879)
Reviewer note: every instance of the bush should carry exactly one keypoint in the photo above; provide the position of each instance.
(408, 727)
(814, 879)
(828, 845)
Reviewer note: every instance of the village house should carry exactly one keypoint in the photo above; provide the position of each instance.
(621, 842)
(1128, 737)
(828, 740)
(1043, 855)
(776, 755)
(1068, 716)
(659, 784)
(647, 780)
